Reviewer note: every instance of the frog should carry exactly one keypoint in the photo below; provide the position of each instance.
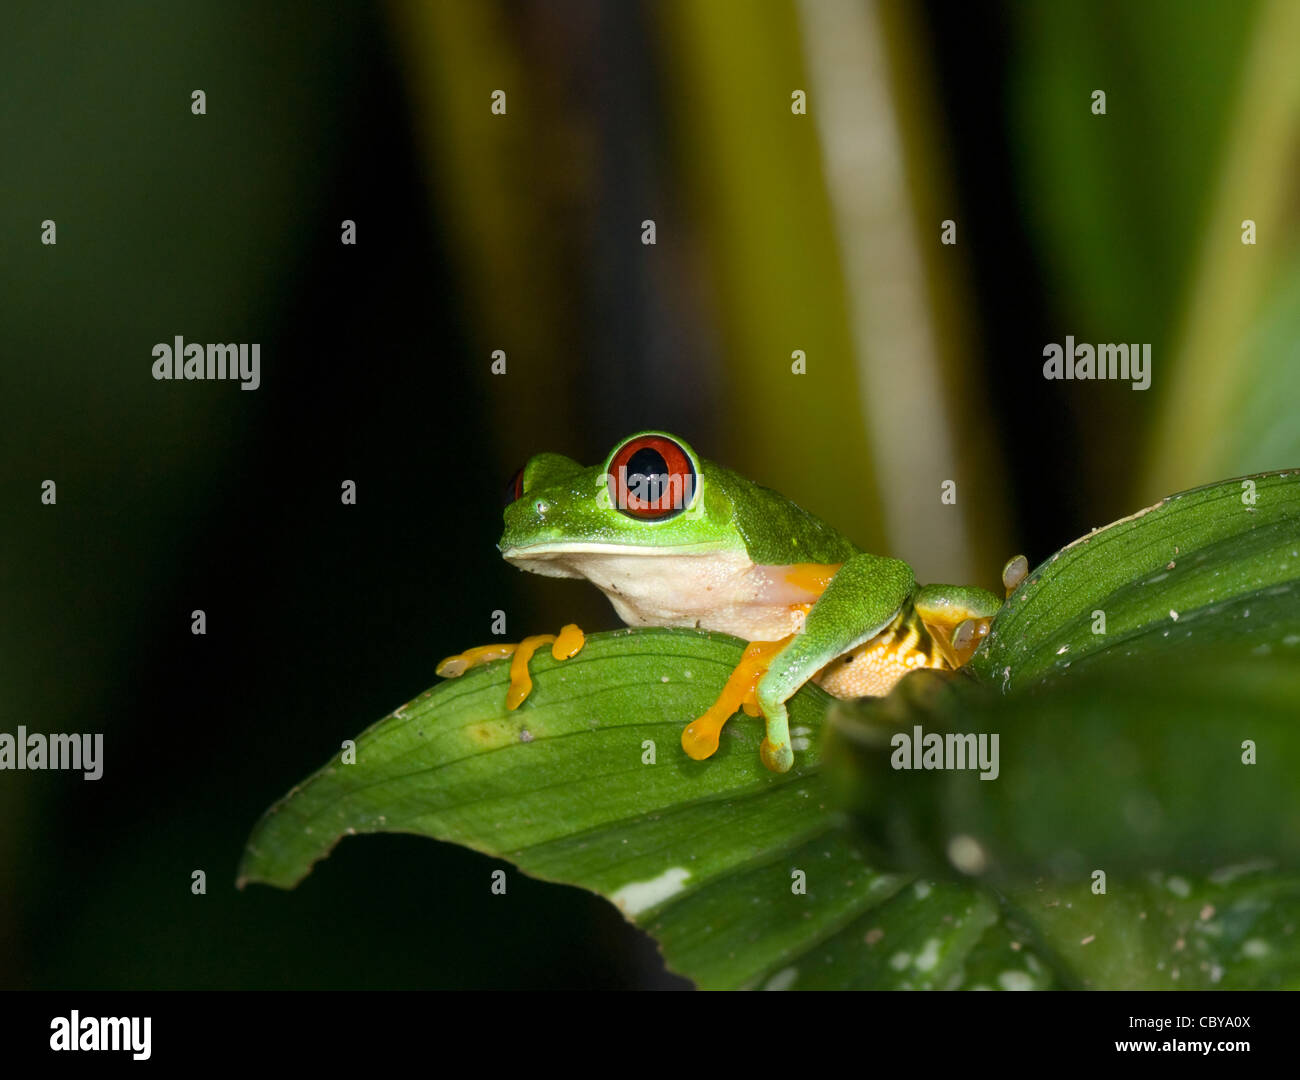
(674, 540)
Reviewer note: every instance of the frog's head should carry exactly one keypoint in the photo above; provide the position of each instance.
(651, 495)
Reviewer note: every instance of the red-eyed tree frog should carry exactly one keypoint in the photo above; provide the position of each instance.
(677, 541)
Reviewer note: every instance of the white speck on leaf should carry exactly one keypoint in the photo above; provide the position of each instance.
(1255, 948)
(637, 896)
(782, 980)
(928, 957)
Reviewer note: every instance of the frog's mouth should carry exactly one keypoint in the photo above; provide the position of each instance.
(586, 559)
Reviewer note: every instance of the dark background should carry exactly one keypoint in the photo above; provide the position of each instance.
(323, 617)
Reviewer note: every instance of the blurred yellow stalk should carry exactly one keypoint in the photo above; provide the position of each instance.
(1200, 408)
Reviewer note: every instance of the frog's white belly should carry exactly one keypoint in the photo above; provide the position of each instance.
(721, 591)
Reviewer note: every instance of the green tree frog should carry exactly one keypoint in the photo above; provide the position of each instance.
(673, 540)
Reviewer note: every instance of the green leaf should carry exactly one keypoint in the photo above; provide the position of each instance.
(701, 854)
(1134, 769)
(1218, 563)
(456, 764)
(1180, 762)
(1233, 930)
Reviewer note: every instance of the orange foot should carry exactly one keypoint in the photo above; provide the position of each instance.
(700, 737)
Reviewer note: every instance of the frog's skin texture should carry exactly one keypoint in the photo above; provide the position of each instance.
(704, 548)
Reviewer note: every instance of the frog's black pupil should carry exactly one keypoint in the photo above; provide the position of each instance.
(647, 462)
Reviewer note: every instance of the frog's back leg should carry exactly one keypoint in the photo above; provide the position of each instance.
(957, 617)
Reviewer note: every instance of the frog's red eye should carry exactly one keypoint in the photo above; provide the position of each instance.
(514, 487)
(651, 477)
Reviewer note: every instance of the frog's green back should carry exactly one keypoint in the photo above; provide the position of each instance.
(775, 530)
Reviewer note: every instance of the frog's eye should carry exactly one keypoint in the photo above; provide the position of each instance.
(514, 488)
(651, 477)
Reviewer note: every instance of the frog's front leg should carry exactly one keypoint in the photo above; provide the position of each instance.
(861, 600)
(567, 644)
